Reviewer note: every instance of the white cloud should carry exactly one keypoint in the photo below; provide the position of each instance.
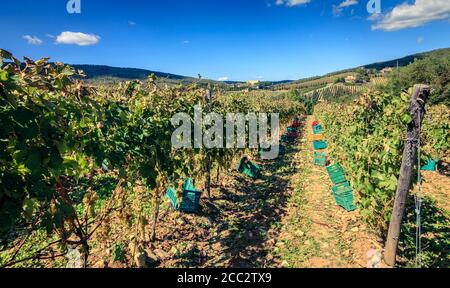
(414, 15)
(50, 36)
(291, 3)
(374, 16)
(131, 23)
(33, 40)
(337, 9)
(348, 3)
(77, 38)
(420, 40)
(223, 79)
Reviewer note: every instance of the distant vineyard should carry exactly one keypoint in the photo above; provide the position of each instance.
(314, 82)
(379, 81)
(334, 91)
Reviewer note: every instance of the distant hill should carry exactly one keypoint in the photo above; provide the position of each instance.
(102, 71)
(405, 61)
(330, 77)
(108, 73)
(102, 74)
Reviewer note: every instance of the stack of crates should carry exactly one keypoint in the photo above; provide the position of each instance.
(320, 157)
(342, 191)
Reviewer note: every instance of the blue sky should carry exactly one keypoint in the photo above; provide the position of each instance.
(232, 39)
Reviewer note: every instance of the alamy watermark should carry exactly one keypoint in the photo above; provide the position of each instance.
(234, 130)
(73, 6)
(374, 6)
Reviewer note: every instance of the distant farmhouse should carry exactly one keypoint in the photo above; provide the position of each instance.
(350, 79)
(353, 79)
(254, 84)
(386, 71)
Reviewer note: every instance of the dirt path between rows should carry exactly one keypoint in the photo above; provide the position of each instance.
(316, 232)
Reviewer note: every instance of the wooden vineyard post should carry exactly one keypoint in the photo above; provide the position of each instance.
(417, 110)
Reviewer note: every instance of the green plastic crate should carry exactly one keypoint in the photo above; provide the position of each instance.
(171, 194)
(430, 166)
(318, 129)
(320, 145)
(336, 173)
(320, 158)
(343, 194)
(338, 178)
(342, 188)
(249, 168)
(190, 201)
(191, 197)
(347, 205)
(345, 201)
(335, 168)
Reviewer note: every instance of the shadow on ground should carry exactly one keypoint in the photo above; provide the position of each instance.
(435, 236)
